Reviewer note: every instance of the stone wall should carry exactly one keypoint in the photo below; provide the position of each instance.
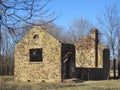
(49, 70)
(86, 73)
(96, 73)
(92, 58)
(90, 73)
(85, 53)
(106, 63)
(89, 52)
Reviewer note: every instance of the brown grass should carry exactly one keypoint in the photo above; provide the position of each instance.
(7, 83)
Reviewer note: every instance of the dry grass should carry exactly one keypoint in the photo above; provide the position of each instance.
(7, 83)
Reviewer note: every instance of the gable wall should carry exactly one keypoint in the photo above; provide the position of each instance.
(88, 52)
(85, 56)
(47, 71)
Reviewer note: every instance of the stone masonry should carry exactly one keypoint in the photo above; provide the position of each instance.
(39, 57)
(92, 58)
(49, 70)
(89, 53)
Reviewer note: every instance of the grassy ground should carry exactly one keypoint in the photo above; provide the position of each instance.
(7, 83)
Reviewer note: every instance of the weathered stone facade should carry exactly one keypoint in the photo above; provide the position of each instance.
(89, 53)
(86, 73)
(49, 70)
(92, 58)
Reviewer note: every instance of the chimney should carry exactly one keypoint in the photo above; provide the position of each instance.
(94, 36)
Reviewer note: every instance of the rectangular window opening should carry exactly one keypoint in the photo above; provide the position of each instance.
(36, 55)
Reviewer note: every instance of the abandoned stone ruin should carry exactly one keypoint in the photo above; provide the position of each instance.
(39, 57)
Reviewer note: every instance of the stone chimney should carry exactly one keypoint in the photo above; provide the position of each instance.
(94, 36)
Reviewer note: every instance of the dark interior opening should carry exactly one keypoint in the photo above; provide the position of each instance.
(67, 65)
(36, 55)
(68, 61)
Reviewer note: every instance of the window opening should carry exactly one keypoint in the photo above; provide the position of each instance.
(36, 55)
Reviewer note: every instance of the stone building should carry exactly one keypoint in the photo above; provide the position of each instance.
(92, 58)
(39, 57)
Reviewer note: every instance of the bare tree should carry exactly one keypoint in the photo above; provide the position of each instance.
(6, 62)
(78, 29)
(14, 15)
(119, 57)
(109, 24)
(53, 29)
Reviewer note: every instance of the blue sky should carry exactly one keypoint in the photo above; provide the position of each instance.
(73, 9)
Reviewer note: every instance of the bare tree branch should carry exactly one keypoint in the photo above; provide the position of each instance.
(79, 28)
(109, 24)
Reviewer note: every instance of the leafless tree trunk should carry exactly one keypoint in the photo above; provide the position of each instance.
(109, 24)
(119, 57)
(6, 62)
